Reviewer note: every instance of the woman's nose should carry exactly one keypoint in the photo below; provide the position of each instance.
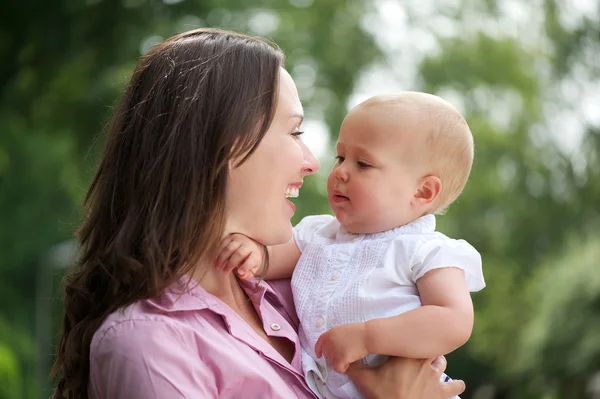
(310, 164)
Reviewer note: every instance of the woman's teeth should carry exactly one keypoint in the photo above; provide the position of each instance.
(292, 192)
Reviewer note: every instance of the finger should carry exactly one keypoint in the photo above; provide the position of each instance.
(346, 367)
(246, 274)
(343, 367)
(438, 364)
(220, 252)
(358, 366)
(226, 240)
(338, 366)
(236, 259)
(223, 252)
(226, 251)
(250, 264)
(453, 388)
(319, 347)
(363, 376)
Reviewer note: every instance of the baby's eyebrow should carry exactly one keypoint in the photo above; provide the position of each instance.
(366, 153)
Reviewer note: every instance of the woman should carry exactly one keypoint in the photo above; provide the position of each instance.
(205, 142)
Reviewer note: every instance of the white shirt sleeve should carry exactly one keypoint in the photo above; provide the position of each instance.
(304, 231)
(438, 251)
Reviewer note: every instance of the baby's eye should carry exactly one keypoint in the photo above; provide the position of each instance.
(339, 159)
(363, 165)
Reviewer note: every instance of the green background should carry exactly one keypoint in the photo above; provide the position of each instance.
(524, 74)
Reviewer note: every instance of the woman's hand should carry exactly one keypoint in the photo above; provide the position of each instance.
(403, 378)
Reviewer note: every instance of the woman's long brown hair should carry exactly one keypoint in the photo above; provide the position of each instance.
(157, 202)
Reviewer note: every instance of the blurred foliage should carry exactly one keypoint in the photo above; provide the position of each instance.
(531, 207)
(564, 296)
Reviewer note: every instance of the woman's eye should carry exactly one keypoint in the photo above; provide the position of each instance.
(297, 134)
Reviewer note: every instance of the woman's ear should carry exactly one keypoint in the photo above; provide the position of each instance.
(428, 190)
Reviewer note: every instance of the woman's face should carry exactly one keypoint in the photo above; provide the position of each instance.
(256, 193)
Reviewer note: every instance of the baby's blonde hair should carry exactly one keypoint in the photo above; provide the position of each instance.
(444, 141)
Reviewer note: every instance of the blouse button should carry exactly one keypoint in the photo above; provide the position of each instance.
(335, 276)
(275, 327)
(319, 322)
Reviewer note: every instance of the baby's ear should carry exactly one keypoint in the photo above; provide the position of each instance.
(428, 190)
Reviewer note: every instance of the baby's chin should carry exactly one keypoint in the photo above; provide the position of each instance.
(358, 227)
(368, 226)
(353, 223)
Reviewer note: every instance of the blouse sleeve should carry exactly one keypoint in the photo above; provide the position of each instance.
(304, 231)
(138, 360)
(439, 251)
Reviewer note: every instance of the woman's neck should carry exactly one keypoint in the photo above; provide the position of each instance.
(224, 286)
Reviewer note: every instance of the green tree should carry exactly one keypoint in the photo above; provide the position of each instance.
(527, 195)
(559, 347)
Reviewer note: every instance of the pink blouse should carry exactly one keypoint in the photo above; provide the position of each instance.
(189, 344)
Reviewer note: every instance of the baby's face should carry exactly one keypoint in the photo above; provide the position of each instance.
(373, 182)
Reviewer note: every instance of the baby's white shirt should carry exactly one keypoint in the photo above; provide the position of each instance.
(344, 278)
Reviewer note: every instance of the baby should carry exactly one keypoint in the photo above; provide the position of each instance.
(377, 280)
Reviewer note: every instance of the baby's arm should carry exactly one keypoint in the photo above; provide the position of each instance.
(441, 325)
(282, 260)
(247, 257)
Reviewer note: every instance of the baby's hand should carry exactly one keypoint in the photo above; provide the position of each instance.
(343, 345)
(240, 253)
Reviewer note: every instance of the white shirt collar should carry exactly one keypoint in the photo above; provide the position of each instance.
(424, 224)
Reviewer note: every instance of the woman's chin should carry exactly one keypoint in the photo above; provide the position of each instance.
(278, 236)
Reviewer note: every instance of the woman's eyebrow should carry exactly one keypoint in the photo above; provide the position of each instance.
(299, 116)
